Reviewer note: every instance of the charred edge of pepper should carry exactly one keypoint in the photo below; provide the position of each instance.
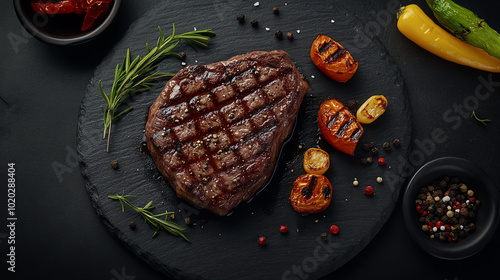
(326, 192)
(337, 55)
(344, 127)
(333, 120)
(355, 135)
(307, 191)
(325, 46)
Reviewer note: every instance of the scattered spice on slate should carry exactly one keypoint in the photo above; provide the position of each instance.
(374, 151)
(262, 241)
(132, 225)
(447, 209)
(187, 221)
(386, 146)
(254, 22)
(240, 18)
(367, 160)
(278, 34)
(366, 147)
(396, 142)
(372, 145)
(334, 229)
(283, 229)
(324, 236)
(289, 35)
(355, 182)
(368, 190)
(276, 10)
(114, 164)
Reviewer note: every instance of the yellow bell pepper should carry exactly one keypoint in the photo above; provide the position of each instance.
(419, 28)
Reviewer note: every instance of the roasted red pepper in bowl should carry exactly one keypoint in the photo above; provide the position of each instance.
(332, 59)
(93, 9)
(338, 126)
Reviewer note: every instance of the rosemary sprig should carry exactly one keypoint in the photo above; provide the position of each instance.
(155, 221)
(133, 76)
(483, 121)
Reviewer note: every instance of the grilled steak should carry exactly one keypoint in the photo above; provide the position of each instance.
(215, 131)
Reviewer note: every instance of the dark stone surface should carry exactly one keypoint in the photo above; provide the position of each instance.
(58, 233)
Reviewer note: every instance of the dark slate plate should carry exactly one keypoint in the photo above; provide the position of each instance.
(226, 247)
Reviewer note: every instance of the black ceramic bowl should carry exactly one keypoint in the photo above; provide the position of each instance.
(62, 29)
(487, 216)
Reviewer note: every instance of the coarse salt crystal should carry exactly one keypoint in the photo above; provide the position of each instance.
(332, 21)
(183, 63)
(442, 228)
(267, 28)
(434, 229)
(467, 201)
(312, 76)
(298, 30)
(256, 4)
(457, 210)
(446, 199)
(461, 227)
(195, 28)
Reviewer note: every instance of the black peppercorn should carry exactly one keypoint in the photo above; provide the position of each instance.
(131, 225)
(396, 142)
(386, 146)
(374, 151)
(114, 164)
(289, 35)
(276, 10)
(254, 22)
(324, 236)
(241, 18)
(366, 147)
(372, 145)
(278, 34)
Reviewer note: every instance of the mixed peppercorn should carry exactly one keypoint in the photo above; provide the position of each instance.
(255, 23)
(447, 209)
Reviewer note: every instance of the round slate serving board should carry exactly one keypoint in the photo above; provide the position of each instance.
(226, 247)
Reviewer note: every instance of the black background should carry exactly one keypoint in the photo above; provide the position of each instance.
(59, 235)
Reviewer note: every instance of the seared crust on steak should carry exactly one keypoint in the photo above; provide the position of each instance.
(215, 131)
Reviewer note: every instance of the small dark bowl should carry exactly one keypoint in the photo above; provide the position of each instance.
(487, 216)
(63, 29)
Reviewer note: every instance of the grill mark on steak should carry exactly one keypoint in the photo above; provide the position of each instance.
(215, 130)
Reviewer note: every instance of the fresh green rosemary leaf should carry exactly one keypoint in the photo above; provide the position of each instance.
(154, 221)
(134, 76)
(483, 121)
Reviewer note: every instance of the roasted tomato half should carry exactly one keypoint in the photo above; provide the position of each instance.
(316, 161)
(338, 126)
(311, 193)
(332, 59)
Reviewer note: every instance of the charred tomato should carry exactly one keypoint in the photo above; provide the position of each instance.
(338, 126)
(311, 193)
(332, 59)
